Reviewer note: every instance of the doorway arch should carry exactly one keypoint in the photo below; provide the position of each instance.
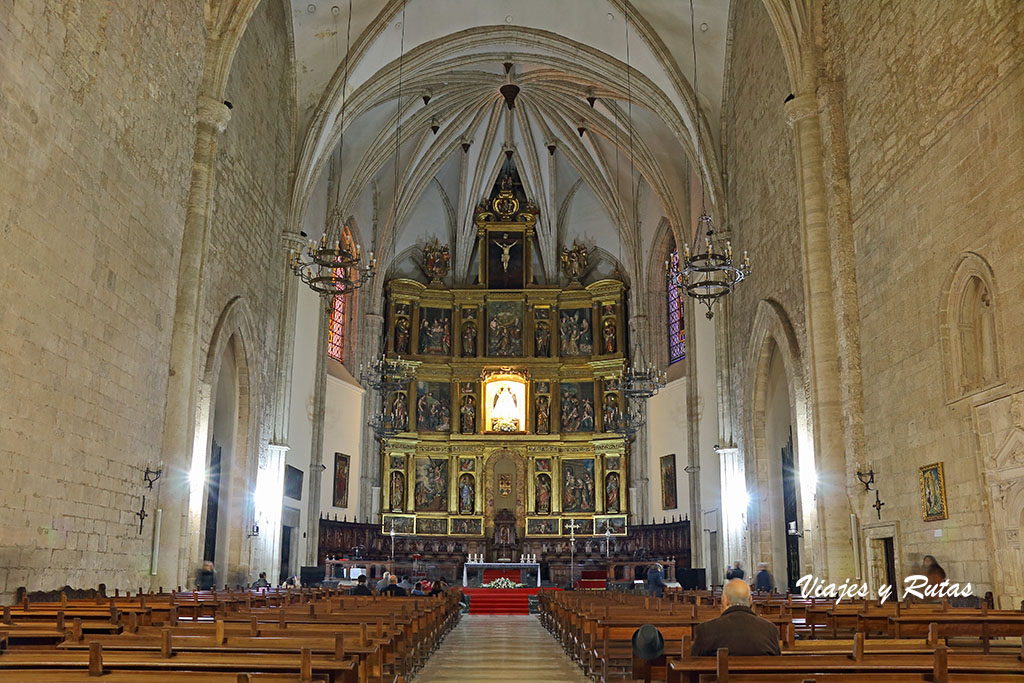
(500, 459)
(777, 418)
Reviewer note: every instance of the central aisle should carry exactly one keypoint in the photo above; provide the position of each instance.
(500, 648)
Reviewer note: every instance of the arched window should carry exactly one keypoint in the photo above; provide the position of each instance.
(969, 328)
(676, 328)
(976, 330)
(336, 330)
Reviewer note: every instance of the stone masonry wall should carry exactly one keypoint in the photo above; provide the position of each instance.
(763, 202)
(249, 213)
(97, 102)
(934, 105)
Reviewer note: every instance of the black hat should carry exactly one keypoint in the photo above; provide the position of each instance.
(648, 643)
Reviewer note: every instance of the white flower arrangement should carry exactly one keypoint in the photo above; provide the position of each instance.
(503, 583)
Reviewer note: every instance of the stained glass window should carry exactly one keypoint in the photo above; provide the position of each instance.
(336, 330)
(676, 328)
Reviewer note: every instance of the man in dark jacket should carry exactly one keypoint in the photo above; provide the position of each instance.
(360, 588)
(206, 580)
(655, 581)
(738, 629)
(734, 572)
(393, 589)
(764, 581)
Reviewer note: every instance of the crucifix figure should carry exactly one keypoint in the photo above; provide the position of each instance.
(505, 248)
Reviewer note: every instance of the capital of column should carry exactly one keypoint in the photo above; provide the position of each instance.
(213, 113)
(801, 107)
(290, 241)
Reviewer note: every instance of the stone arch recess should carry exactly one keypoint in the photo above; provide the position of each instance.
(970, 265)
(773, 332)
(519, 461)
(233, 329)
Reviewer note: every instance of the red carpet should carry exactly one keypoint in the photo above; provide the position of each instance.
(499, 600)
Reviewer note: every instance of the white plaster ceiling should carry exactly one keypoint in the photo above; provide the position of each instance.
(454, 50)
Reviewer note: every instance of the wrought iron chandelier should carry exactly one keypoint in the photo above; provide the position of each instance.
(386, 376)
(332, 267)
(710, 274)
(636, 384)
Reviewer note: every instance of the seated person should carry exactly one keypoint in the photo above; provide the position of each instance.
(360, 588)
(262, 581)
(405, 584)
(439, 587)
(393, 589)
(417, 590)
(738, 629)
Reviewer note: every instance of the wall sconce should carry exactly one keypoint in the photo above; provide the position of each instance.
(151, 476)
(867, 478)
(254, 531)
(791, 530)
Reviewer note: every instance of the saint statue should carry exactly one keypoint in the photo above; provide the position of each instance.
(468, 415)
(609, 336)
(402, 336)
(397, 491)
(469, 339)
(543, 416)
(543, 494)
(400, 411)
(542, 341)
(467, 494)
(611, 492)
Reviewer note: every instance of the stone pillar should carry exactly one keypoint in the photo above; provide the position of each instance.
(316, 448)
(369, 452)
(285, 343)
(823, 352)
(179, 412)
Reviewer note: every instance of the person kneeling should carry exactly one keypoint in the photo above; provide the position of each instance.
(738, 629)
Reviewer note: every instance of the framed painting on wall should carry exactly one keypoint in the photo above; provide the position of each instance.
(433, 411)
(541, 526)
(402, 524)
(933, 493)
(575, 333)
(432, 526)
(341, 463)
(668, 482)
(504, 328)
(436, 331)
(466, 526)
(431, 490)
(578, 485)
(577, 405)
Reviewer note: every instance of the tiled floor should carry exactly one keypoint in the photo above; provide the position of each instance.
(500, 648)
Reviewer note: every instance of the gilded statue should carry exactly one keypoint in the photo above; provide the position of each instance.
(436, 260)
(574, 261)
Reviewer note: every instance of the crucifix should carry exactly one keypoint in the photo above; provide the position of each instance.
(572, 526)
(392, 534)
(141, 514)
(878, 504)
(505, 249)
(608, 540)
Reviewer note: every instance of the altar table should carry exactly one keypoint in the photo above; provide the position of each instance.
(498, 565)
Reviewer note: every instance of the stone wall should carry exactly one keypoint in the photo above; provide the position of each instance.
(763, 216)
(250, 208)
(97, 103)
(933, 108)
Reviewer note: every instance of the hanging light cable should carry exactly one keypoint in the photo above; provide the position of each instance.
(639, 381)
(385, 375)
(710, 273)
(333, 266)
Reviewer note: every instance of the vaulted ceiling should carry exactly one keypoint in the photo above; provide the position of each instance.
(417, 65)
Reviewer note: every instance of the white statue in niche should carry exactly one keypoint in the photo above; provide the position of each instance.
(504, 408)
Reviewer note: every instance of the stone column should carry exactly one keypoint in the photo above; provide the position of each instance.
(285, 343)
(316, 448)
(823, 352)
(369, 452)
(179, 412)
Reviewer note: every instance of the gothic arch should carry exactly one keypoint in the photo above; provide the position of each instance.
(234, 330)
(517, 459)
(772, 333)
(968, 327)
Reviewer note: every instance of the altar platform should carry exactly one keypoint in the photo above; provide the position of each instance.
(501, 600)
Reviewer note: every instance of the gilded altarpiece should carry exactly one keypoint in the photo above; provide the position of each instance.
(510, 405)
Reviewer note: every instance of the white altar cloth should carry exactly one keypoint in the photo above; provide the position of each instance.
(498, 565)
